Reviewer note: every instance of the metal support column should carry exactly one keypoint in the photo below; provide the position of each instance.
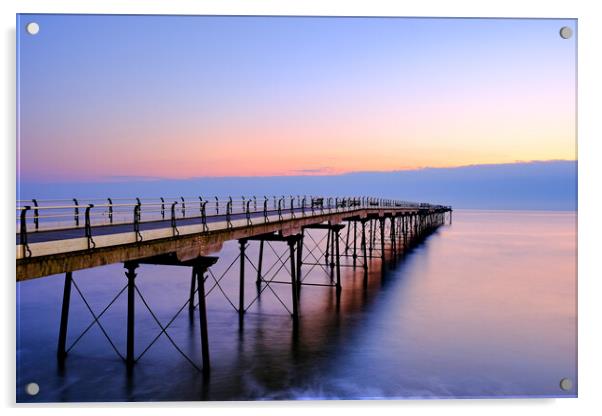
(294, 294)
(370, 238)
(404, 230)
(334, 236)
(364, 251)
(354, 243)
(398, 234)
(260, 264)
(347, 239)
(300, 260)
(415, 226)
(328, 238)
(382, 238)
(200, 270)
(241, 288)
(61, 352)
(131, 290)
(338, 262)
(392, 235)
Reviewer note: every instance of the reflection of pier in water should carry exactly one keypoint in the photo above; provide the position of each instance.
(326, 327)
(312, 242)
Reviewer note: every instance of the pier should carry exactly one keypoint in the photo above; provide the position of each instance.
(64, 236)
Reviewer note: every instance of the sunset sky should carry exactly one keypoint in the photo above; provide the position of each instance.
(180, 97)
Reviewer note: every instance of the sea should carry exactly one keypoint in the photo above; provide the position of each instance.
(485, 307)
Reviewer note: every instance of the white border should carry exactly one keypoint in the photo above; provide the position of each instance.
(590, 202)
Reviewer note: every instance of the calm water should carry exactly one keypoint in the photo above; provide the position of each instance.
(485, 307)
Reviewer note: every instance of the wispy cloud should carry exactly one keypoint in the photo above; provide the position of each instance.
(326, 170)
(129, 178)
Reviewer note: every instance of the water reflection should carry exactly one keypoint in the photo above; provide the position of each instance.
(485, 307)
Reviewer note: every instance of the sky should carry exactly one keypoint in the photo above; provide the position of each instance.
(103, 98)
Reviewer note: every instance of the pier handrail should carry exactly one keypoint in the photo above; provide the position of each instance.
(59, 214)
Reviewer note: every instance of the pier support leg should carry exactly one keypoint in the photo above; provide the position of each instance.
(338, 262)
(417, 225)
(334, 236)
(393, 242)
(199, 270)
(61, 352)
(294, 294)
(370, 238)
(347, 239)
(328, 237)
(364, 252)
(300, 261)
(398, 234)
(131, 290)
(260, 265)
(354, 243)
(241, 287)
(416, 229)
(374, 234)
(405, 232)
(382, 238)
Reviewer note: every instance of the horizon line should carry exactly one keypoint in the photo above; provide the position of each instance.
(317, 172)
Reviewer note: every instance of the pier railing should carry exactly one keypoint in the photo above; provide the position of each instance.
(56, 214)
(37, 215)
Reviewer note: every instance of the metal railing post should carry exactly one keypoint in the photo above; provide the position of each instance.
(174, 228)
(23, 231)
(36, 216)
(265, 209)
(76, 212)
(248, 213)
(229, 213)
(140, 210)
(88, 227)
(204, 216)
(137, 217)
(110, 210)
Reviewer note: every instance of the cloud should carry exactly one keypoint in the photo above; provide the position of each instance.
(315, 171)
